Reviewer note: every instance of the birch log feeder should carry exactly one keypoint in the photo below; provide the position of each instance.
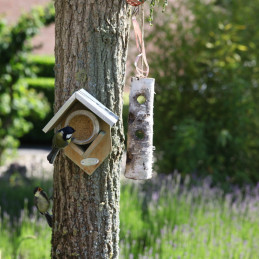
(140, 129)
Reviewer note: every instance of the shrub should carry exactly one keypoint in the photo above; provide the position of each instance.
(17, 101)
(204, 61)
(43, 65)
(45, 86)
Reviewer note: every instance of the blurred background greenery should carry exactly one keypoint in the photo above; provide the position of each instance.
(206, 107)
(204, 57)
(22, 104)
(206, 74)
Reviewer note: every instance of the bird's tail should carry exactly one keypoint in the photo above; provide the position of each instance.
(49, 218)
(52, 155)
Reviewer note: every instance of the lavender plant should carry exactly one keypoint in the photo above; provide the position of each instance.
(180, 220)
(167, 218)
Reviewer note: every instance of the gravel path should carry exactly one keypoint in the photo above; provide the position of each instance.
(35, 161)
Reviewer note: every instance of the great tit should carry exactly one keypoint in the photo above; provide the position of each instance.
(42, 203)
(60, 140)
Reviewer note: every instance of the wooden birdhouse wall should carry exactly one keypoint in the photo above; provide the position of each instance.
(99, 148)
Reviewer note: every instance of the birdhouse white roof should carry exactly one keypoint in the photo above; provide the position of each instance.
(89, 102)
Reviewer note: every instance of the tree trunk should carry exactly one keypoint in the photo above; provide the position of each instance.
(91, 47)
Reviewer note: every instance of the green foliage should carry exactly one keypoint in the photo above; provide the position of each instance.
(17, 101)
(180, 220)
(206, 107)
(45, 84)
(45, 87)
(153, 3)
(43, 65)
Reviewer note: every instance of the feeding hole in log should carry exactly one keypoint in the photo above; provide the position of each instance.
(140, 134)
(129, 157)
(141, 99)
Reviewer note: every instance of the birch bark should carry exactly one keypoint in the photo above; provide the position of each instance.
(140, 129)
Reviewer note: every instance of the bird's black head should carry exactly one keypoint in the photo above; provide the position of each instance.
(67, 132)
(37, 189)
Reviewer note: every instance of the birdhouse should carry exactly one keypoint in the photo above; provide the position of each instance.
(92, 121)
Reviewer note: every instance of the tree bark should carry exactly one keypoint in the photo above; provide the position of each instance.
(90, 51)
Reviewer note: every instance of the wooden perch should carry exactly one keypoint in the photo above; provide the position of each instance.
(94, 144)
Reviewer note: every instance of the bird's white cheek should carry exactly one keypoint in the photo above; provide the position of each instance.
(68, 136)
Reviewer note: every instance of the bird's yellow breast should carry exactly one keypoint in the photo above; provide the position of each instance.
(58, 141)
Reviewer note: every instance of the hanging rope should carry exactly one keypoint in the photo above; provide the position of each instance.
(139, 36)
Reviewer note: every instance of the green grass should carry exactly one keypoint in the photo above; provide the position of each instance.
(27, 238)
(16, 193)
(188, 222)
(161, 219)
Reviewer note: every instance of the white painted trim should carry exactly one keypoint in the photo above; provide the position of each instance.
(96, 107)
(59, 113)
(88, 101)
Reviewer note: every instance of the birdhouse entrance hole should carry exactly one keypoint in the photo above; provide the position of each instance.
(140, 134)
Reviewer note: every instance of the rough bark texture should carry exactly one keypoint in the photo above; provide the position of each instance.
(140, 129)
(91, 46)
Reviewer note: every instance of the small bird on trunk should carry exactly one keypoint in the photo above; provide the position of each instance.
(42, 203)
